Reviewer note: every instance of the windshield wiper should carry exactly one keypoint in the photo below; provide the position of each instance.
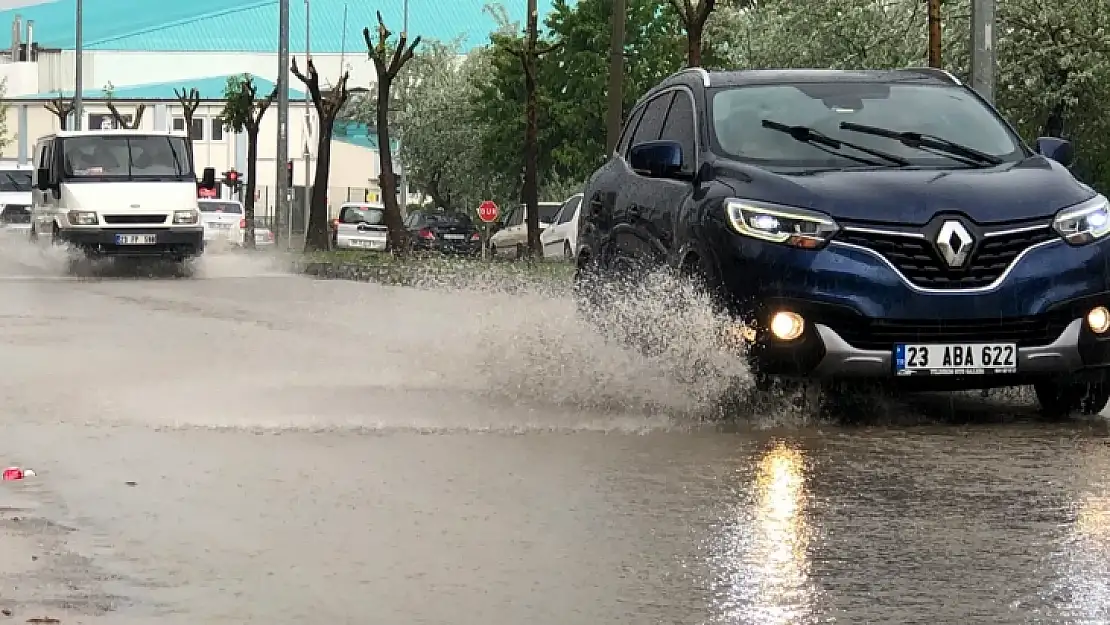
(927, 142)
(805, 134)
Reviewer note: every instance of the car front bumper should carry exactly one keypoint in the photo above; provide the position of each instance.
(172, 242)
(857, 309)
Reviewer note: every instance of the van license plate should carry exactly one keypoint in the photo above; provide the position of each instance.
(955, 359)
(136, 239)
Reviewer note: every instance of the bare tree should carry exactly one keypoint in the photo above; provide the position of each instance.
(694, 14)
(327, 107)
(62, 108)
(119, 119)
(243, 111)
(529, 52)
(190, 101)
(387, 64)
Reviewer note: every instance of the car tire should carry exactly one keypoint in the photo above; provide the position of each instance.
(519, 253)
(1060, 401)
(568, 254)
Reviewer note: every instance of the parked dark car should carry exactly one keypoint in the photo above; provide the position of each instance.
(880, 226)
(449, 232)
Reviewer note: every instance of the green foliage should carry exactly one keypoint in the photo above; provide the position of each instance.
(240, 95)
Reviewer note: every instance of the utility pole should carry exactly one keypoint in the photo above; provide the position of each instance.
(307, 121)
(79, 74)
(616, 77)
(934, 33)
(282, 204)
(401, 131)
(982, 47)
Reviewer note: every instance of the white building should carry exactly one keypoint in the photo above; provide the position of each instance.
(147, 50)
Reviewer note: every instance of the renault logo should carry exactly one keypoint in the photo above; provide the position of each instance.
(954, 243)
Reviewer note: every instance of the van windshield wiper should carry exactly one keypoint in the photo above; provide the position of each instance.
(927, 142)
(805, 134)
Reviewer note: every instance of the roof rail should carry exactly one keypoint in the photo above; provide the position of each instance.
(934, 72)
(699, 70)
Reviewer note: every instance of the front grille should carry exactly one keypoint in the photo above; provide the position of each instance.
(920, 263)
(883, 334)
(135, 219)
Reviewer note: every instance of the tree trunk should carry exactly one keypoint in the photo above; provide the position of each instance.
(189, 135)
(397, 239)
(252, 179)
(318, 237)
(693, 43)
(616, 77)
(1054, 124)
(934, 33)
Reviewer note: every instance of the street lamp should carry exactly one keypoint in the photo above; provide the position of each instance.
(78, 77)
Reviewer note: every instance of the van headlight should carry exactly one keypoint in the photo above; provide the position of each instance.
(82, 218)
(1085, 222)
(185, 218)
(787, 225)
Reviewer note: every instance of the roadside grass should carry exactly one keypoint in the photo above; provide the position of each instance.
(439, 271)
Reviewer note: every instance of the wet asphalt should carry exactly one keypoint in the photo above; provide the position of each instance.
(248, 446)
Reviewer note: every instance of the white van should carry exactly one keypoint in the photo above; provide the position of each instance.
(118, 193)
(15, 197)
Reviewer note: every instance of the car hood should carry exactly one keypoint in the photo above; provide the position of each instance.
(1033, 188)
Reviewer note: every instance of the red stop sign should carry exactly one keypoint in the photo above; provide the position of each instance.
(487, 211)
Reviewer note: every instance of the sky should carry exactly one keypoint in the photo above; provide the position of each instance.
(15, 4)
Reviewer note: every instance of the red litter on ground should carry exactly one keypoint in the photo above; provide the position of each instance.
(15, 473)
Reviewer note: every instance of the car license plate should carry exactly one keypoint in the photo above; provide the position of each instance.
(454, 237)
(136, 239)
(219, 226)
(955, 359)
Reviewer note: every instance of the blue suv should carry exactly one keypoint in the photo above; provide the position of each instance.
(873, 226)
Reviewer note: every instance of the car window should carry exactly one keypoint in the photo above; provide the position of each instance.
(629, 129)
(948, 112)
(220, 207)
(547, 211)
(450, 219)
(15, 180)
(516, 217)
(359, 214)
(569, 210)
(651, 124)
(412, 219)
(679, 126)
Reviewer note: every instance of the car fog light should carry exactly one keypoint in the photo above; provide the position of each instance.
(1099, 320)
(787, 326)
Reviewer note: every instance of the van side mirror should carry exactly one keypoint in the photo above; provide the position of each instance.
(208, 179)
(1060, 150)
(658, 159)
(42, 178)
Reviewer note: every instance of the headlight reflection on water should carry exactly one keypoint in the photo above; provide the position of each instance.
(760, 555)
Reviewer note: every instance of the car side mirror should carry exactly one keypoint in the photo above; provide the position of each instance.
(1060, 150)
(208, 179)
(657, 159)
(42, 178)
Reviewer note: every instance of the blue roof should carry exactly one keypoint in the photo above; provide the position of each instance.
(252, 25)
(210, 88)
(358, 134)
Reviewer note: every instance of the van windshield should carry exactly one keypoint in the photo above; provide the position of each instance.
(15, 181)
(100, 158)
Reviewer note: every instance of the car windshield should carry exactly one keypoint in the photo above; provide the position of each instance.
(359, 214)
(548, 210)
(949, 113)
(220, 207)
(15, 181)
(137, 157)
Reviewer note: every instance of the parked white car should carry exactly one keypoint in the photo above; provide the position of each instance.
(512, 238)
(223, 221)
(560, 239)
(15, 198)
(360, 226)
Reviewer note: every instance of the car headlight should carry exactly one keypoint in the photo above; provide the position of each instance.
(788, 225)
(1085, 222)
(82, 218)
(186, 217)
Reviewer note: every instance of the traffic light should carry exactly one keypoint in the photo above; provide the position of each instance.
(231, 178)
(289, 171)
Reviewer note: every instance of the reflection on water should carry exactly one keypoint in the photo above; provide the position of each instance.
(760, 555)
(1084, 556)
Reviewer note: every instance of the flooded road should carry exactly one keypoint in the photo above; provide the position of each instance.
(247, 446)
